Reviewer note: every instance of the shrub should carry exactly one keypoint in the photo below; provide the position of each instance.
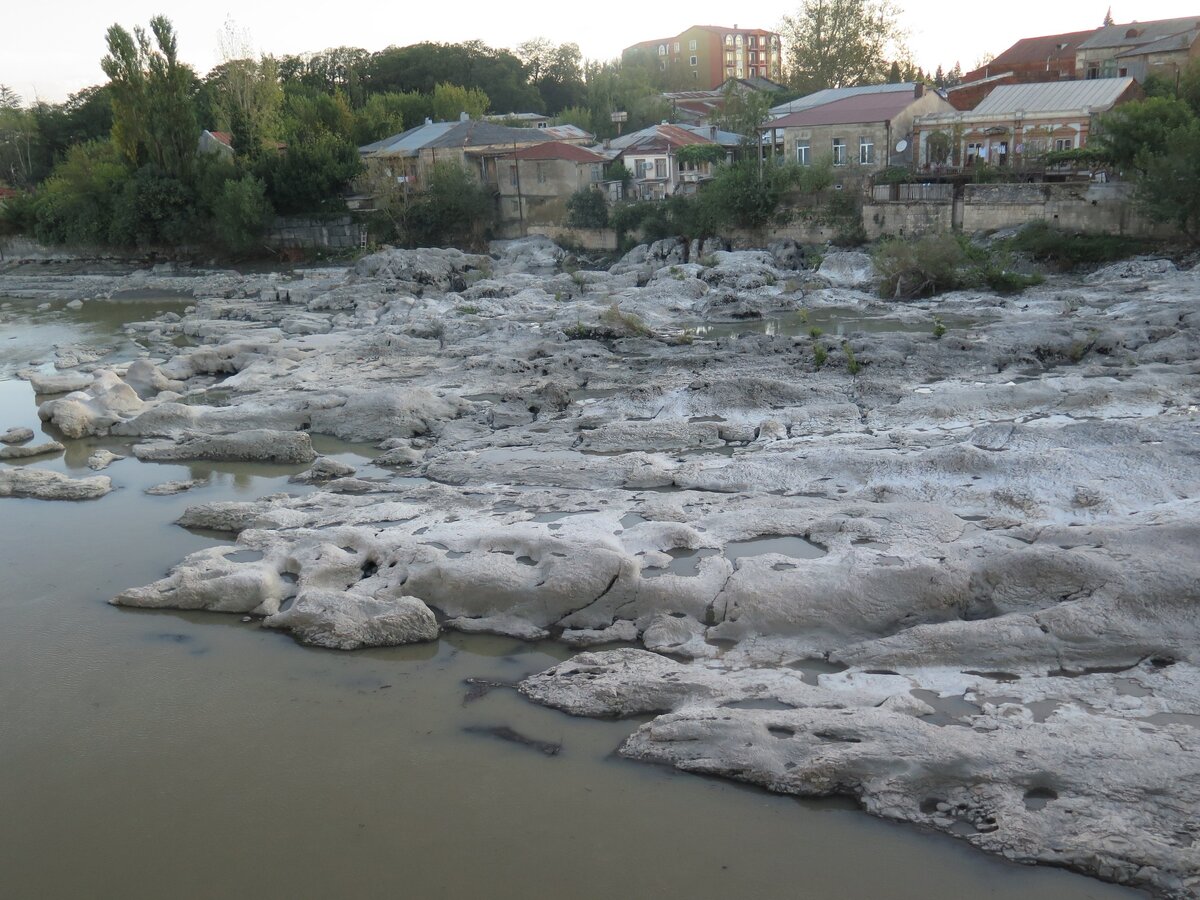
(1048, 244)
(820, 355)
(939, 328)
(852, 364)
(241, 214)
(452, 210)
(587, 208)
(919, 268)
(625, 324)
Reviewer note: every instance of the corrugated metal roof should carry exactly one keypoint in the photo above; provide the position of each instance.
(440, 135)
(1142, 33)
(558, 150)
(1174, 43)
(1053, 96)
(878, 107)
(832, 95)
(1033, 50)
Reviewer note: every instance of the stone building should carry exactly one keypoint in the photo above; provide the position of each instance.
(862, 132)
(1139, 49)
(534, 183)
(1017, 123)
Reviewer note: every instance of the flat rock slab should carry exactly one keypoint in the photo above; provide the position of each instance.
(16, 436)
(31, 450)
(41, 484)
(260, 445)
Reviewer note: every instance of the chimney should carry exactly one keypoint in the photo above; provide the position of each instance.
(919, 90)
(428, 121)
(712, 132)
(463, 117)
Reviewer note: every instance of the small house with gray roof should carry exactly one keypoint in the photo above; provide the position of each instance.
(400, 164)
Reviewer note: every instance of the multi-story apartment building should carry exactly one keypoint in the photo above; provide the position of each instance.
(708, 55)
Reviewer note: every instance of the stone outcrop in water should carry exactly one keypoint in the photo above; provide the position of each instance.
(41, 484)
(953, 576)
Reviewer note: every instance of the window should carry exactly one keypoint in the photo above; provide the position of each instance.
(662, 49)
(595, 172)
(692, 60)
(677, 46)
(660, 168)
(512, 175)
(866, 151)
(691, 45)
(974, 151)
(1093, 70)
(738, 40)
(729, 40)
(804, 153)
(541, 173)
(839, 151)
(1063, 143)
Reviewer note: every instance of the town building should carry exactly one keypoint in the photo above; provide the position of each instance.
(1139, 49)
(705, 107)
(535, 182)
(1034, 60)
(830, 95)
(219, 142)
(1018, 123)
(705, 56)
(651, 155)
(862, 132)
(399, 164)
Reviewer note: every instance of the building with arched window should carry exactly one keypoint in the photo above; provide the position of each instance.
(706, 56)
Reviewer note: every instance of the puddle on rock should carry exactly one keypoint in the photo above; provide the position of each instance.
(785, 545)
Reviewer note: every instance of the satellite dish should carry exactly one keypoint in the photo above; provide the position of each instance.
(902, 146)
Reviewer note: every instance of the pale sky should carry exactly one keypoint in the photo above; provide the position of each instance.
(53, 48)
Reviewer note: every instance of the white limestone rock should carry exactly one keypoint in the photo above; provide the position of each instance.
(350, 620)
(42, 484)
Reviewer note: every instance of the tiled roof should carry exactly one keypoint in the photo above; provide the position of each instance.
(831, 95)
(1055, 96)
(877, 107)
(558, 150)
(1133, 33)
(669, 136)
(1040, 49)
(224, 137)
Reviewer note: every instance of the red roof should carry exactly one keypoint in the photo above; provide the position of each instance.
(224, 137)
(680, 137)
(6, 192)
(1035, 51)
(877, 107)
(558, 150)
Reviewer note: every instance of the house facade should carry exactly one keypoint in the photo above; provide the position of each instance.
(1018, 123)
(651, 155)
(861, 133)
(535, 183)
(400, 164)
(1139, 49)
(704, 56)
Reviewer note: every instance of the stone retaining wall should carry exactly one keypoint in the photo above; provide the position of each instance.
(341, 233)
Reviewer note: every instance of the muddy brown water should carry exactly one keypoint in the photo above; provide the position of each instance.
(162, 754)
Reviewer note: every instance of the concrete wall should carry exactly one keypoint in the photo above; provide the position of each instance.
(544, 186)
(588, 238)
(341, 233)
(1084, 206)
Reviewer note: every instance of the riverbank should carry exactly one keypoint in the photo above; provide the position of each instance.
(946, 574)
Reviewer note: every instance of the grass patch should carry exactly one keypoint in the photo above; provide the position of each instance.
(1045, 243)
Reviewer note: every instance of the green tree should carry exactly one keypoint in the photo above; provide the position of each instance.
(747, 195)
(1168, 186)
(310, 176)
(450, 100)
(154, 119)
(391, 113)
(742, 112)
(1138, 131)
(75, 204)
(836, 43)
(241, 214)
(453, 210)
(587, 208)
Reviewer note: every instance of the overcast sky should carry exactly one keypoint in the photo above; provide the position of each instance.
(52, 48)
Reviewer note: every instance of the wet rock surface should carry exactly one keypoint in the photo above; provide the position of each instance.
(952, 577)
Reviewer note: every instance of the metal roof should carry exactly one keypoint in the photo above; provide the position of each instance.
(558, 150)
(863, 108)
(832, 95)
(1133, 33)
(1097, 94)
(439, 135)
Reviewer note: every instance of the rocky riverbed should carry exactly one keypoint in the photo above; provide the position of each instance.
(951, 575)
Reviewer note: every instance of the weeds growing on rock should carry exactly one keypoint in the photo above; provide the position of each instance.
(815, 332)
(467, 309)
(939, 328)
(852, 364)
(629, 323)
(820, 355)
